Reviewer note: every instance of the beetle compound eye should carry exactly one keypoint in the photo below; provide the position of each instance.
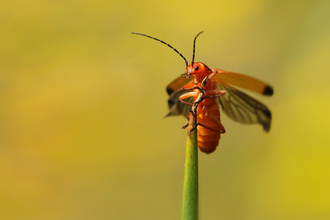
(196, 68)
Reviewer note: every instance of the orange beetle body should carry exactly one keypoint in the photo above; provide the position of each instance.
(208, 112)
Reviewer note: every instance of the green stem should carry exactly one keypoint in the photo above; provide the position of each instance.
(190, 188)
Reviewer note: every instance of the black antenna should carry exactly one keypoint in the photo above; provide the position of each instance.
(193, 58)
(166, 44)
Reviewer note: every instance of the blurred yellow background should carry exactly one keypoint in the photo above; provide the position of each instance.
(82, 134)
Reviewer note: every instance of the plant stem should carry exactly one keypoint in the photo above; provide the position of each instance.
(190, 186)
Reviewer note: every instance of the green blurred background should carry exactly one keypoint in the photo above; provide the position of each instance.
(82, 134)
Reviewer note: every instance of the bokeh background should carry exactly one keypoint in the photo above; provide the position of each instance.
(82, 128)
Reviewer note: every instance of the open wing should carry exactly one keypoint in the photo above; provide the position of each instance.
(243, 81)
(238, 105)
(176, 107)
(243, 108)
(174, 91)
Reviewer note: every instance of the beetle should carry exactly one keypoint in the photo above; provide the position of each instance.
(218, 91)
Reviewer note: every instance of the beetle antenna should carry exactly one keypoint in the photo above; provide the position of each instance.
(165, 44)
(193, 58)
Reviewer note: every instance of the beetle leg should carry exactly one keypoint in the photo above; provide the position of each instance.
(214, 93)
(187, 95)
(212, 129)
(189, 86)
(212, 74)
(215, 120)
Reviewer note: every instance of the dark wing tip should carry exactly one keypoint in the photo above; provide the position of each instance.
(266, 123)
(169, 90)
(266, 127)
(268, 91)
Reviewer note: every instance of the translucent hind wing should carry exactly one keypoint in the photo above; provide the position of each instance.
(176, 107)
(174, 90)
(243, 108)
